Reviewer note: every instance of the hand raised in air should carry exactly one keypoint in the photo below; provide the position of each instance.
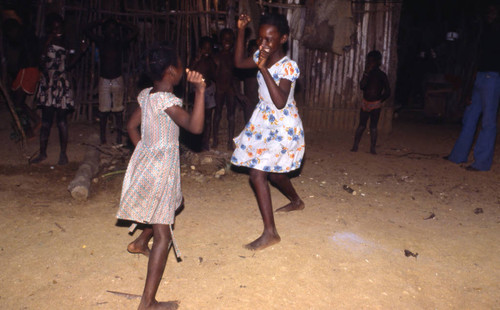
(196, 78)
(243, 21)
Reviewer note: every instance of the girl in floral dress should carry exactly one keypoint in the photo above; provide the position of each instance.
(272, 143)
(54, 95)
(151, 190)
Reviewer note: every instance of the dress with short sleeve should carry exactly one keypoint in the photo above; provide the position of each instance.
(273, 139)
(151, 189)
(54, 88)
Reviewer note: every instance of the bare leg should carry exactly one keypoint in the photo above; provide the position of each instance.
(156, 266)
(374, 117)
(283, 183)
(373, 140)
(119, 126)
(363, 120)
(47, 119)
(140, 245)
(231, 111)
(205, 141)
(62, 125)
(103, 125)
(261, 187)
(219, 105)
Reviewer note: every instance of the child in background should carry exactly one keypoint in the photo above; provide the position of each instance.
(251, 87)
(375, 87)
(22, 41)
(250, 96)
(205, 65)
(225, 81)
(55, 94)
(111, 84)
(151, 190)
(272, 143)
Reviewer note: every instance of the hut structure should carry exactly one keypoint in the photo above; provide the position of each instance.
(329, 39)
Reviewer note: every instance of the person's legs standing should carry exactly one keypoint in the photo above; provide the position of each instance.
(363, 119)
(219, 105)
(485, 144)
(117, 93)
(104, 106)
(270, 235)
(205, 140)
(374, 117)
(47, 119)
(460, 151)
(62, 125)
(156, 266)
(231, 111)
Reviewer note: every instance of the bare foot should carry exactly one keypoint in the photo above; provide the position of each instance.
(168, 305)
(292, 206)
(137, 248)
(264, 241)
(63, 159)
(38, 159)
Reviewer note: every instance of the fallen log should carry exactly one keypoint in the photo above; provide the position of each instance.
(80, 185)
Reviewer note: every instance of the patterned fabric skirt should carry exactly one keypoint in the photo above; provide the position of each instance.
(151, 189)
(272, 141)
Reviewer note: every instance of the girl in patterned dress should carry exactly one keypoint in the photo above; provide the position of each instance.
(54, 95)
(272, 143)
(151, 190)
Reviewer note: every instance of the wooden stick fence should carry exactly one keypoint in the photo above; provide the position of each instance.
(183, 25)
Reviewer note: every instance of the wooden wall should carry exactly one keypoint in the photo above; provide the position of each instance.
(331, 98)
(182, 22)
(328, 94)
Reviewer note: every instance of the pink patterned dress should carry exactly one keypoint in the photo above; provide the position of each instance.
(151, 189)
(273, 139)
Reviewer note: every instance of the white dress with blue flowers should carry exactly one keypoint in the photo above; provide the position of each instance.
(273, 139)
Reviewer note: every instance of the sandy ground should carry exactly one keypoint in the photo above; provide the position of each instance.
(342, 251)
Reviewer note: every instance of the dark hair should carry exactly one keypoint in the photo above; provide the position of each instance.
(252, 44)
(224, 31)
(52, 18)
(277, 20)
(206, 39)
(10, 25)
(158, 58)
(109, 22)
(375, 55)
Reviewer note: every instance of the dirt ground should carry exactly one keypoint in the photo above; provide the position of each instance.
(343, 251)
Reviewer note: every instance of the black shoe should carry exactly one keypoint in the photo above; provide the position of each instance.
(470, 168)
(447, 157)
